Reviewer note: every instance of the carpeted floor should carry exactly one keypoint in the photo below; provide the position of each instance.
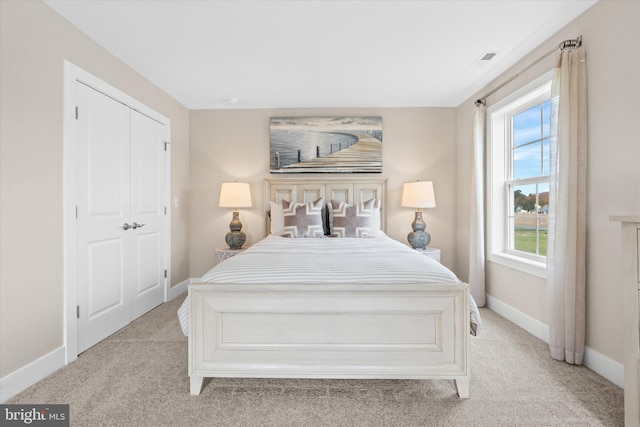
(138, 377)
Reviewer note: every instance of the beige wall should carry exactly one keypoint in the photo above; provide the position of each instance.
(611, 38)
(228, 145)
(34, 41)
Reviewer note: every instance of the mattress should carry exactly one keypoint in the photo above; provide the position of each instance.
(283, 260)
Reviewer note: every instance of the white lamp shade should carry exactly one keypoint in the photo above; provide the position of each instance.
(418, 194)
(235, 195)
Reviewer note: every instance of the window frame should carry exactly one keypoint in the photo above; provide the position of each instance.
(499, 173)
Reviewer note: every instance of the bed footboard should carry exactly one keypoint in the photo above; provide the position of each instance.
(402, 331)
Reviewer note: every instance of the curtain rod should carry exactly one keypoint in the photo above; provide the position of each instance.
(567, 44)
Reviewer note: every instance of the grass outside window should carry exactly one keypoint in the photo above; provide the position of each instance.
(530, 233)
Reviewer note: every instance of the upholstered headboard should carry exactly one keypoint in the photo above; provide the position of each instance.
(346, 189)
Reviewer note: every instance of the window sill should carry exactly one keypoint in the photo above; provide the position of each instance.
(528, 266)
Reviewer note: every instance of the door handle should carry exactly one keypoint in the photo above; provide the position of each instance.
(126, 226)
(136, 225)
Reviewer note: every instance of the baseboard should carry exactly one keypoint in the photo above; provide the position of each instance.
(526, 322)
(597, 362)
(39, 369)
(605, 366)
(179, 289)
(30, 374)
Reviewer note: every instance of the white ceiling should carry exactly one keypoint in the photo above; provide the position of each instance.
(304, 54)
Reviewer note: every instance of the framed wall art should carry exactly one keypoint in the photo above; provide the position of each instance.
(326, 144)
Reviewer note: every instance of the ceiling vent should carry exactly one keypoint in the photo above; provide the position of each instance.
(486, 60)
(488, 56)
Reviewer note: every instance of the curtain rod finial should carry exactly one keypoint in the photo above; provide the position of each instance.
(480, 102)
(571, 44)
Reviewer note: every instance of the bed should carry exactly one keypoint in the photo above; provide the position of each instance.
(303, 304)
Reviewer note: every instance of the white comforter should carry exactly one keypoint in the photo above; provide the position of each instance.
(330, 260)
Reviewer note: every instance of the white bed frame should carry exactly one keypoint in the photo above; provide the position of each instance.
(410, 331)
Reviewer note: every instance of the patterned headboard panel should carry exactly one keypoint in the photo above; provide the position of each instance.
(345, 189)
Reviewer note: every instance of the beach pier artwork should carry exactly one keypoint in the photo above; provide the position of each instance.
(326, 144)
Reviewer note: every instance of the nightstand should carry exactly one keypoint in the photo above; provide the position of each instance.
(433, 253)
(227, 252)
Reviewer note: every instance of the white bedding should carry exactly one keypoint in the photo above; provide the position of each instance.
(329, 260)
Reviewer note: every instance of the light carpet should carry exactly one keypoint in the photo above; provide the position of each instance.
(138, 377)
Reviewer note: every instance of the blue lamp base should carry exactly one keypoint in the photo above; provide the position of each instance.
(235, 238)
(418, 238)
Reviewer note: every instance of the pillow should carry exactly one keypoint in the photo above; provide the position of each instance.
(303, 219)
(361, 220)
(277, 218)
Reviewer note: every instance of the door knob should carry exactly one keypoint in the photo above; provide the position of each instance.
(126, 226)
(136, 225)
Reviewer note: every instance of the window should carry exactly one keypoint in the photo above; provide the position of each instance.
(518, 177)
(528, 181)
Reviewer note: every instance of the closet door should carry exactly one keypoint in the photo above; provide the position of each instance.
(120, 221)
(103, 176)
(147, 213)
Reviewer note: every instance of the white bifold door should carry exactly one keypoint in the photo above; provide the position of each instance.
(120, 215)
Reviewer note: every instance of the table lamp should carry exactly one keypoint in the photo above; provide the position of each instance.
(235, 195)
(418, 195)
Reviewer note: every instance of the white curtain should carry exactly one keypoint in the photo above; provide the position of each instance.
(476, 211)
(566, 257)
